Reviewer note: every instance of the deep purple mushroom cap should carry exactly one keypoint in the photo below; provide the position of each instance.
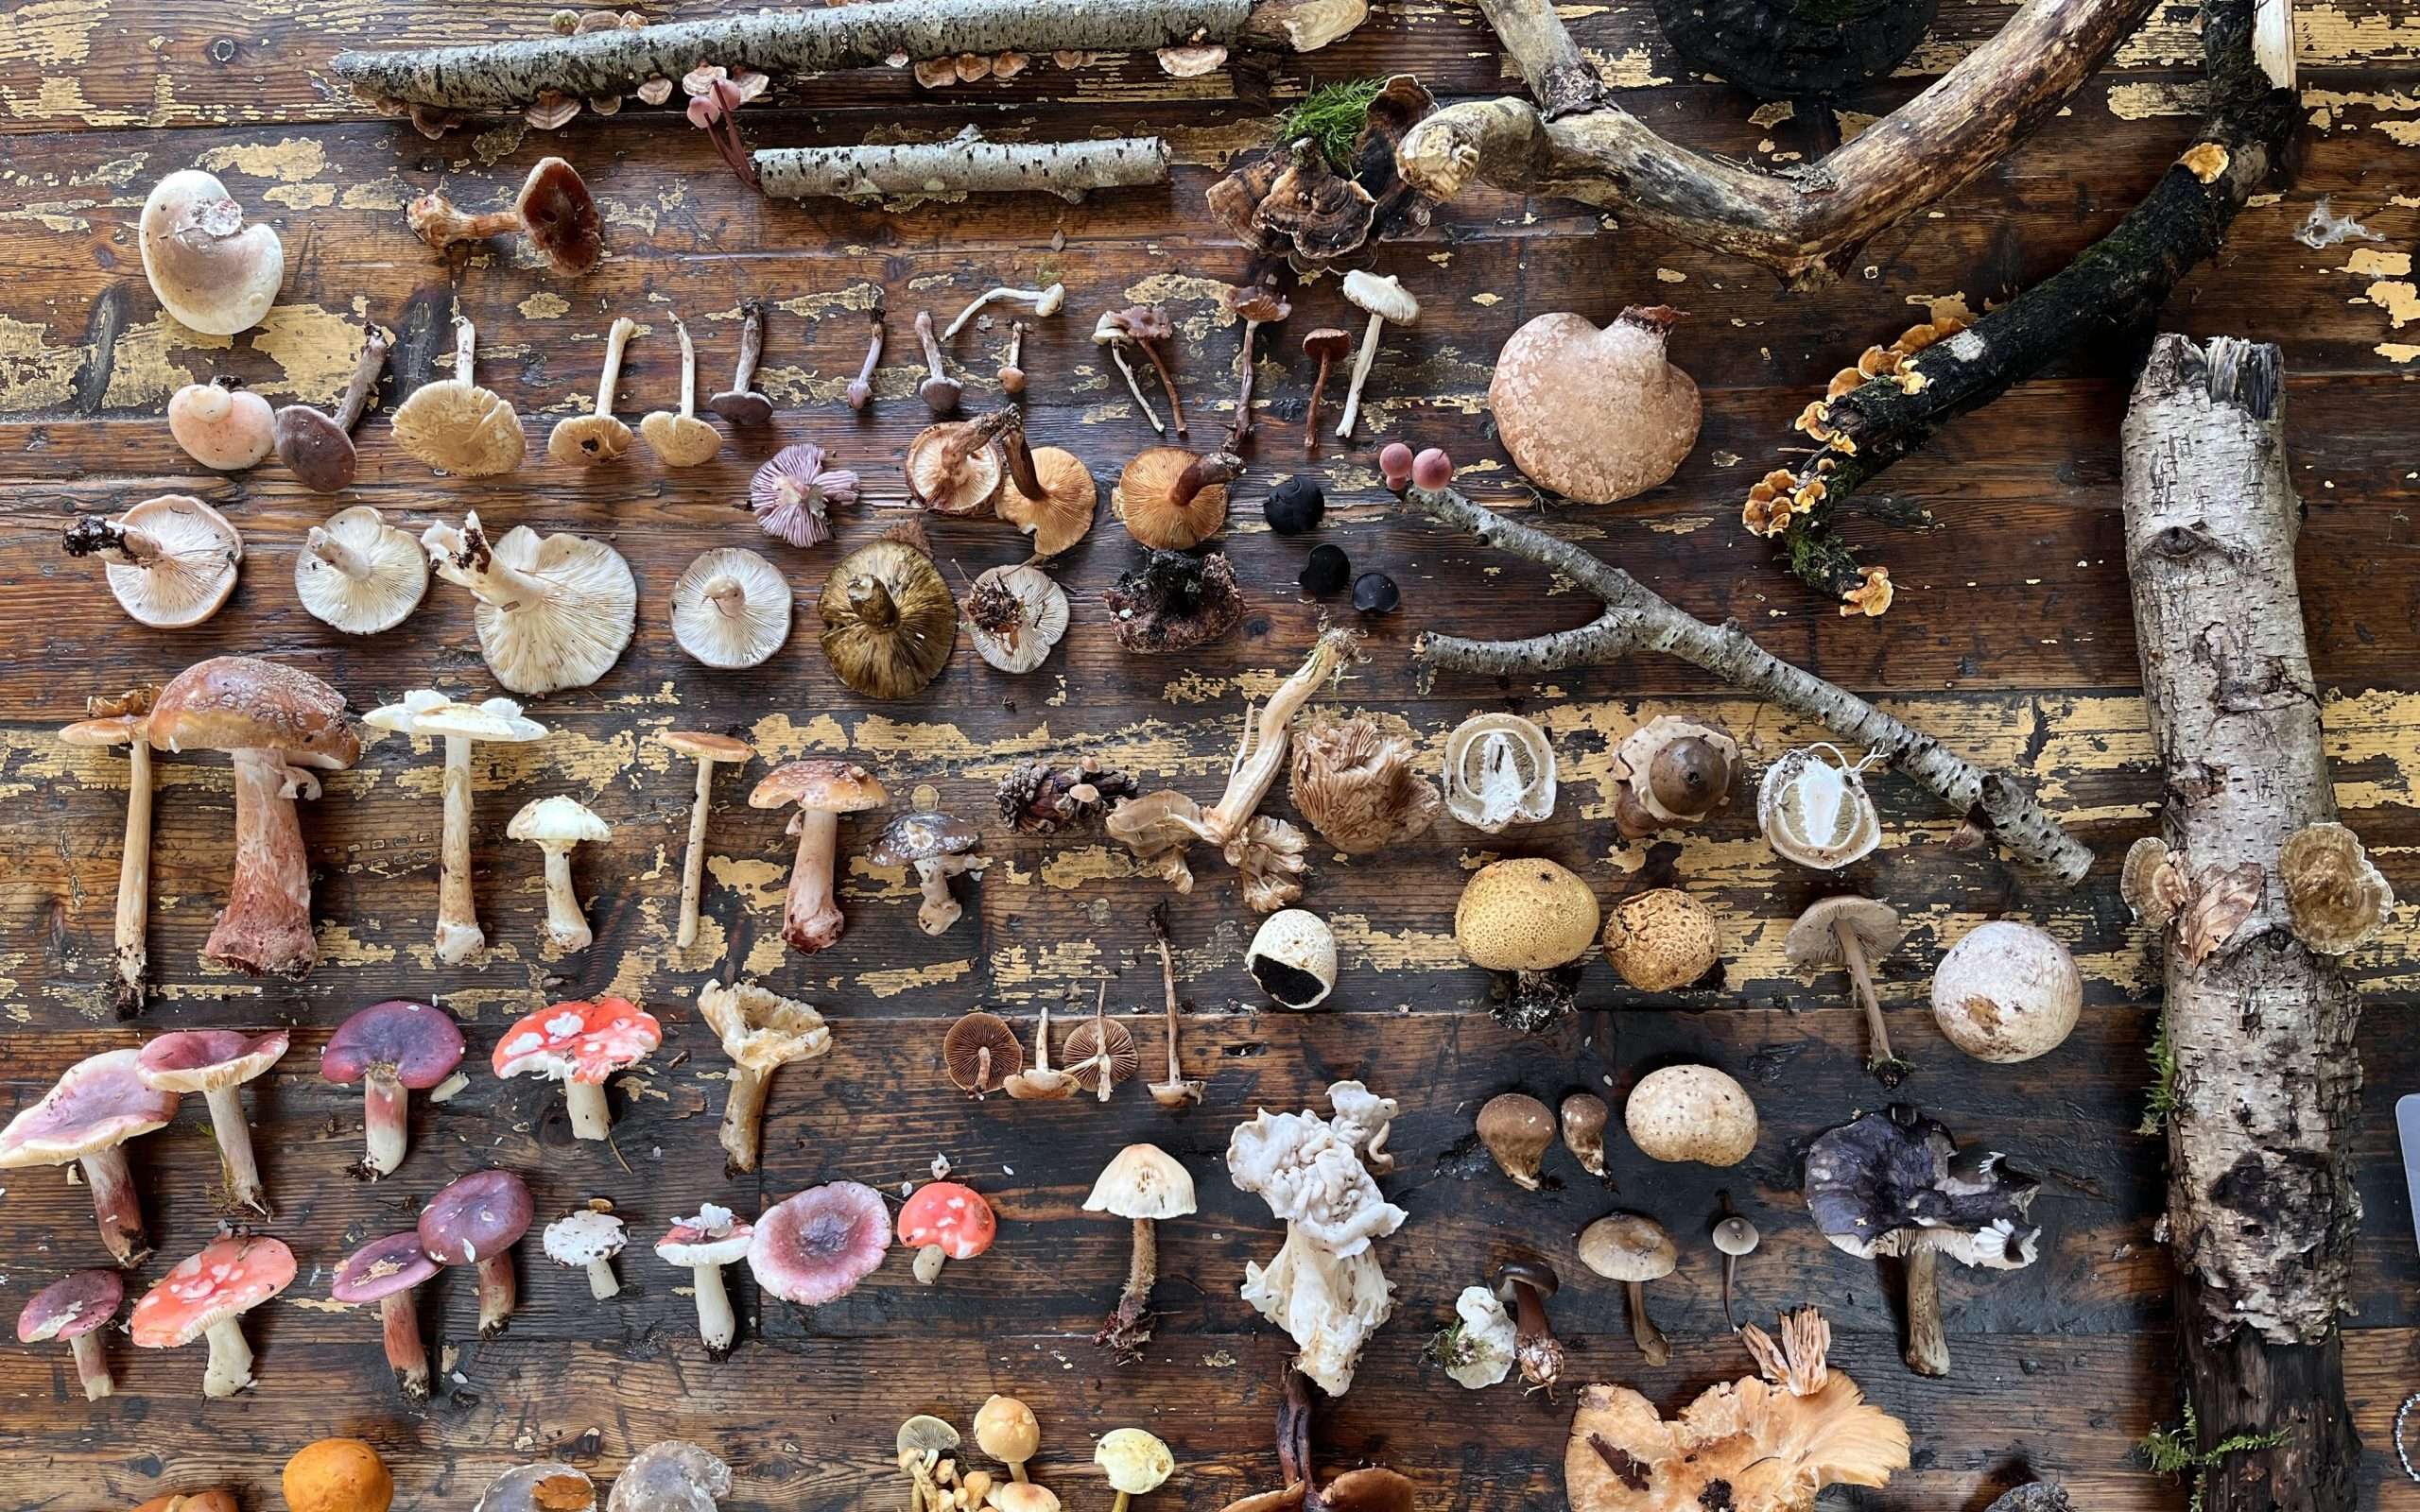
(381, 1268)
(71, 1306)
(416, 1044)
(476, 1218)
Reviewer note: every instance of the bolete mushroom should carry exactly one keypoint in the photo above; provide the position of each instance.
(1640, 418)
(761, 1032)
(1632, 1249)
(475, 1220)
(1292, 957)
(2007, 992)
(75, 1307)
(815, 1247)
(119, 721)
(1356, 783)
(1256, 304)
(946, 1221)
(1499, 773)
(792, 495)
(741, 403)
(1853, 932)
(1042, 301)
(1143, 1185)
(222, 425)
(704, 1244)
(1135, 1462)
(217, 1063)
(1323, 346)
(1172, 499)
(823, 790)
(1584, 1116)
(210, 271)
(170, 561)
(1680, 1113)
(99, 1103)
(890, 621)
(1383, 300)
(557, 825)
(278, 724)
(708, 750)
(938, 847)
(1015, 613)
(1516, 1130)
(428, 714)
(585, 441)
(1525, 1282)
(337, 1475)
(678, 438)
(455, 426)
(1671, 772)
(939, 390)
(360, 574)
(1816, 812)
(553, 210)
(1061, 512)
(1662, 940)
(1534, 923)
(589, 1238)
(1174, 601)
(672, 1476)
(1101, 1054)
(579, 1044)
(1176, 1092)
(317, 447)
(207, 1295)
(385, 1271)
(555, 612)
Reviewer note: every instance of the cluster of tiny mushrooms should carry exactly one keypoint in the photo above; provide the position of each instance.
(555, 614)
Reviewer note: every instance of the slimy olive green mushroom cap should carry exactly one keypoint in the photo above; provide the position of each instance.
(1526, 915)
(1663, 939)
(890, 620)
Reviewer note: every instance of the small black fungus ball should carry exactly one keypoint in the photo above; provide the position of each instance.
(1327, 571)
(1295, 506)
(1375, 593)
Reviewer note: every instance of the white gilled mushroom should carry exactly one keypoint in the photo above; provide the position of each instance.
(589, 1238)
(431, 714)
(1145, 1185)
(1384, 300)
(211, 272)
(556, 825)
(1816, 812)
(2007, 992)
(731, 609)
(222, 426)
(682, 440)
(1041, 301)
(1683, 1113)
(585, 441)
(170, 560)
(705, 1243)
(707, 750)
(360, 574)
(1110, 336)
(1499, 773)
(455, 426)
(1015, 614)
(555, 612)
(1853, 932)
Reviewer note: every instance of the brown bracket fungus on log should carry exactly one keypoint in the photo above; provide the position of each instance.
(1292, 203)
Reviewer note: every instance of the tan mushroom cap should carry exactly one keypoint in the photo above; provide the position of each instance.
(380, 599)
(1628, 1247)
(1691, 1113)
(706, 745)
(680, 440)
(1594, 453)
(1526, 915)
(1142, 1182)
(968, 491)
(244, 703)
(1007, 1429)
(972, 1071)
(827, 787)
(1145, 500)
(1382, 296)
(195, 570)
(1813, 942)
(731, 609)
(458, 428)
(1136, 1463)
(760, 1029)
(1662, 940)
(582, 440)
(890, 620)
(1063, 514)
(1024, 1496)
(2335, 898)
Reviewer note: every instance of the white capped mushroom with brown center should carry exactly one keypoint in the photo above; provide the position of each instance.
(360, 574)
(1691, 1113)
(555, 612)
(731, 609)
(1499, 773)
(170, 560)
(2007, 992)
(1383, 300)
(1015, 614)
(557, 825)
(211, 272)
(681, 438)
(436, 716)
(938, 847)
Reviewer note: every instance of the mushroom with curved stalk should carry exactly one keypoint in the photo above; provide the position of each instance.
(207, 1295)
(455, 425)
(793, 493)
(97, 1105)
(475, 1220)
(731, 609)
(741, 403)
(823, 790)
(708, 750)
(861, 387)
(170, 561)
(553, 210)
(554, 612)
(393, 1049)
(585, 441)
(1040, 1081)
(75, 1307)
(1145, 1185)
(211, 271)
(1853, 932)
(1256, 304)
(317, 447)
(1633, 1250)
(1499, 773)
(280, 725)
(1135, 1464)
(1101, 1054)
(1733, 1238)
(1584, 1116)
(938, 847)
(588, 1238)
(1146, 326)
(385, 1271)
(557, 825)
(221, 425)
(944, 1221)
(953, 467)
(2007, 991)
(1532, 922)
(981, 1055)
(705, 1243)
(761, 1032)
(1015, 613)
(814, 1248)
(579, 1044)
(360, 574)
(217, 1063)
(1525, 1282)
(1684, 1113)
(939, 390)
(1041, 301)
(1175, 1091)
(680, 439)
(1173, 500)
(1516, 1130)
(1382, 300)
(434, 715)
(1323, 346)
(1110, 335)
(119, 721)
(890, 621)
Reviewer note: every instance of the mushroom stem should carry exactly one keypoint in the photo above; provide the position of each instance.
(499, 1289)
(688, 368)
(566, 924)
(265, 927)
(231, 1359)
(1311, 417)
(398, 1322)
(1539, 1350)
(693, 866)
(616, 341)
(1021, 469)
(92, 1366)
(861, 391)
(716, 1324)
(1167, 982)
(1643, 1330)
(365, 376)
(752, 345)
(1242, 427)
(1260, 755)
(743, 1120)
(1368, 354)
(602, 1282)
(459, 935)
(1012, 376)
(811, 919)
(386, 1127)
(1217, 466)
(466, 336)
(1142, 1269)
(115, 1206)
(590, 1118)
(134, 880)
(1928, 1340)
(238, 1168)
(1168, 381)
(462, 556)
(933, 368)
(1886, 1066)
(940, 908)
(351, 563)
(441, 225)
(1117, 356)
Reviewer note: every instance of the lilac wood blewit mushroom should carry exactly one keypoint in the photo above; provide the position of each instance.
(705, 1243)
(392, 1049)
(76, 1307)
(823, 790)
(385, 1271)
(431, 715)
(217, 1063)
(476, 1221)
(98, 1105)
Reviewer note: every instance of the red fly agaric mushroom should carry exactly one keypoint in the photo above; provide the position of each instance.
(99, 1104)
(359, 572)
(579, 1044)
(938, 847)
(476, 1221)
(555, 825)
(207, 1295)
(217, 1063)
(211, 273)
(761, 1032)
(1143, 1185)
(170, 561)
(393, 1049)
(589, 1238)
(946, 1221)
(1172, 499)
(74, 1308)
(455, 426)
(555, 612)
(585, 441)
(385, 1271)
(823, 790)
(706, 749)
(429, 715)
(317, 447)
(118, 721)
(554, 210)
(221, 425)
(680, 439)
(279, 723)
(814, 1248)
(1640, 419)
(704, 1244)
(1383, 300)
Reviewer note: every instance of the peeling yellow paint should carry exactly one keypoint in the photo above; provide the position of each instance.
(1081, 866)
(545, 305)
(291, 160)
(889, 984)
(1671, 275)
(318, 348)
(34, 375)
(2373, 262)
(2397, 351)
(2399, 297)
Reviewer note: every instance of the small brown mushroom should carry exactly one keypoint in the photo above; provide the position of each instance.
(741, 403)
(823, 790)
(1584, 1117)
(1060, 513)
(1101, 1052)
(981, 1052)
(1040, 1081)
(585, 441)
(1172, 499)
(1633, 1250)
(890, 621)
(1527, 1282)
(940, 391)
(1671, 772)
(681, 438)
(1010, 375)
(1256, 304)
(1663, 939)
(1384, 300)
(170, 561)
(318, 448)
(1516, 1128)
(1853, 932)
(1146, 326)
(1323, 346)
(1733, 1238)
(554, 210)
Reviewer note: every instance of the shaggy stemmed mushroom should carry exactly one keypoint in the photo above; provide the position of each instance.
(704, 1244)
(393, 1049)
(1143, 1185)
(1525, 1283)
(1042, 301)
(431, 715)
(823, 790)
(98, 1105)
(1384, 300)
(761, 1032)
(207, 1295)
(1255, 306)
(1370, 1488)
(585, 441)
(678, 438)
(1146, 326)
(455, 426)
(554, 611)
(731, 609)
(119, 721)
(385, 1271)
(360, 574)
(938, 847)
(1853, 932)
(170, 560)
(475, 1220)
(1632, 1249)
(715, 96)
(318, 448)
(555, 825)
(708, 750)
(217, 1063)
(939, 390)
(77, 1307)
(579, 1044)
(741, 403)
(554, 210)
(792, 495)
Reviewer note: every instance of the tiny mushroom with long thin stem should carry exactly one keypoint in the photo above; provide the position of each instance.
(1734, 1237)
(823, 790)
(1143, 1185)
(393, 1049)
(385, 1271)
(1042, 301)
(1175, 1091)
(170, 561)
(761, 1032)
(1011, 374)
(555, 825)
(1256, 304)
(1632, 1249)
(708, 750)
(75, 1307)
(585, 441)
(554, 210)
(99, 1104)
(946, 1221)
(1323, 346)
(579, 1044)
(429, 714)
(1146, 326)
(1527, 1282)
(360, 574)
(1384, 299)
(475, 1220)
(118, 721)
(939, 390)
(741, 403)
(317, 447)
(1855, 933)
(1110, 336)
(217, 1063)
(705, 1243)
(680, 439)
(207, 1295)
(861, 387)
(589, 1238)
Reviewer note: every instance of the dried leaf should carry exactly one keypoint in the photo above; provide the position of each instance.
(2226, 899)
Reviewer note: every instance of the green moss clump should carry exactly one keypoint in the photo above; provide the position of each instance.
(1332, 116)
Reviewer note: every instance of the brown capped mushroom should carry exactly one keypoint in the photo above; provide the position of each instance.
(1384, 300)
(1853, 932)
(1012, 376)
(1584, 1117)
(360, 574)
(455, 426)
(170, 560)
(1518, 1129)
(585, 441)
(937, 846)
(1632, 1249)
(1172, 499)
(741, 403)
(1671, 772)
(1101, 1052)
(2336, 899)
(731, 609)
(1146, 326)
(318, 448)
(680, 439)
(1639, 420)
(1663, 939)
(1323, 346)
(555, 612)
(823, 790)
(890, 621)
(981, 1052)
(1525, 1282)
(554, 210)
(1256, 304)
(707, 750)
(1110, 336)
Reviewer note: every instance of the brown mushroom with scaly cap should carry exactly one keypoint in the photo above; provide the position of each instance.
(678, 438)
(1173, 500)
(1633, 1250)
(1357, 784)
(1663, 939)
(455, 426)
(1534, 923)
(823, 790)
(119, 722)
(170, 560)
(938, 847)
(318, 448)
(707, 750)
(890, 621)
(585, 441)
(1671, 772)
(555, 612)
(761, 1032)
(1853, 932)
(360, 574)
(554, 210)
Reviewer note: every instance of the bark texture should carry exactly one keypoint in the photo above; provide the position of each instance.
(908, 174)
(2262, 1208)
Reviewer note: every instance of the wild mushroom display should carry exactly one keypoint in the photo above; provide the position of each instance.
(1853, 932)
(672, 1476)
(455, 426)
(1525, 1283)
(1173, 500)
(792, 495)
(1357, 784)
(553, 210)
(1816, 812)
(814, 1248)
(1174, 602)
(1061, 512)
(1679, 1113)
(731, 609)
(1532, 922)
(937, 847)
(823, 790)
(360, 574)
(1892, 1182)
(1041, 301)
(211, 271)
(1583, 1117)
(1641, 414)
(2007, 992)
(708, 750)
(1101, 1054)
(705, 1243)
(75, 1307)
(475, 1220)
(954, 467)
(1671, 773)
(1516, 1131)
(761, 1032)
(1015, 613)
(428, 714)
(678, 438)
(741, 403)
(1145, 1185)
(112, 722)
(222, 425)
(393, 1049)
(206, 1295)
(317, 447)
(579, 1044)
(1323, 347)
(557, 825)
(585, 440)
(1733, 1238)
(170, 561)
(1499, 773)
(1383, 298)
(1255, 306)
(336, 1475)
(944, 1221)
(385, 1271)
(589, 1238)
(99, 1103)
(1146, 326)
(555, 612)
(1292, 956)
(890, 621)
(549, 1485)
(1632, 1249)
(280, 725)
(217, 1063)
(1662, 940)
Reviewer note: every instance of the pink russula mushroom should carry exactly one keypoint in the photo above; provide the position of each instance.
(816, 1247)
(823, 790)
(393, 1049)
(385, 1271)
(705, 1243)
(221, 425)
(579, 1044)
(74, 1308)
(99, 1104)
(217, 1063)
(281, 725)
(946, 1221)
(476, 1221)
(793, 493)
(207, 1295)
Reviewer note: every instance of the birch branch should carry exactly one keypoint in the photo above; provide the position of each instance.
(905, 174)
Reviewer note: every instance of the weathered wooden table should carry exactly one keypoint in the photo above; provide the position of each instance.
(2010, 640)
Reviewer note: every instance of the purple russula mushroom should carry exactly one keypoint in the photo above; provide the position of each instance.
(705, 1243)
(385, 1271)
(476, 1221)
(217, 1063)
(74, 1308)
(393, 1049)
(97, 1105)
(816, 1247)
(793, 493)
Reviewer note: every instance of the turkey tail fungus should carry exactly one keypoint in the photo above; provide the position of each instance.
(2265, 1079)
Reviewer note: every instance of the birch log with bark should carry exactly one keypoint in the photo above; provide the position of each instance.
(908, 173)
(2259, 1029)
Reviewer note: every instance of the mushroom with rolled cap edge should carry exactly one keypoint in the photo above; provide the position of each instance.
(731, 609)
(1734, 1237)
(318, 448)
(1853, 932)
(579, 1044)
(207, 1295)
(1641, 417)
(549, 1485)
(1101, 1055)
(1532, 922)
(944, 1221)
(99, 1103)
(553, 210)
(385, 1271)
(939, 390)
(1355, 780)
(555, 612)
(1682, 1114)
(938, 847)
(585, 441)
(555, 825)
(2007, 992)
(1145, 1185)
(1516, 1130)
(678, 438)
(221, 425)
(455, 425)
(1816, 812)
(672, 1476)
(1499, 773)
(431, 714)
(823, 790)
(1174, 602)
(705, 1243)
(1040, 1081)
(1146, 326)
(1671, 772)
(360, 574)
(336, 1475)
(741, 403)
(217, 1063)
(475, 1220)
(708, 750)
(890, 621)
(1171, 499)
(1135, 1464)
(1042, 301)
(1525, 1282)
(815, 1247)
(119, 721)
(1632, 1249)
(1662, 940)
(761, 1032)
(980, 1053)
(1292, 957)
(793, 493)
(170, 561)
(589, 1238)
(280, 724)
(1383, 300)
(211, 271)
(1584, 1116)
(75, 1307)
(1015, 613)
(1255, 306)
